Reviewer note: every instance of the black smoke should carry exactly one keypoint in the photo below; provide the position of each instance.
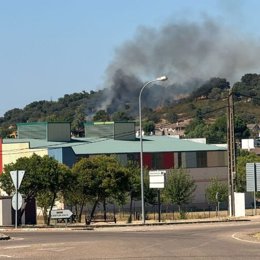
(188, 53)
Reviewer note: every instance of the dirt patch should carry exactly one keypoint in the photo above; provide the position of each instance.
(256, 236)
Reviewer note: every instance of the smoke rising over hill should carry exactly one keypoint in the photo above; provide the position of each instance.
(188, 53)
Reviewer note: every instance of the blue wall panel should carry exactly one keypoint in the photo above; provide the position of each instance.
(63, 155)
(56, 153)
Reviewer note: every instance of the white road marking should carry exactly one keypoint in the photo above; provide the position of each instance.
(55, 249)
(17, 247)
(8, 256)
(17, 238)
(244, 240)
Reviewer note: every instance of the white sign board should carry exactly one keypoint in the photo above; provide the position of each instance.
(62, 213)
(17, 177)
(257, 166)
(250, 177)
(248, 144)
(156, 179)
(19, 199)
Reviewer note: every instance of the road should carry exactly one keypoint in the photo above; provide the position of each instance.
(187, 241)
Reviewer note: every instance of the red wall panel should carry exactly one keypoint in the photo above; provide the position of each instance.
(168, 160)
(147, 160)
(1, 156)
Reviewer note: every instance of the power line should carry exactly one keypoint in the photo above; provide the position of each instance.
(75, 142)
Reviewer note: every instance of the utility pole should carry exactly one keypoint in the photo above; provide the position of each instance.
(231, 153)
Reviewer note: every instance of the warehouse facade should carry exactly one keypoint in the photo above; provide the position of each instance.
(202, 161)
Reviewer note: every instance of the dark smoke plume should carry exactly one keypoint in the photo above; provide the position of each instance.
(188, 53)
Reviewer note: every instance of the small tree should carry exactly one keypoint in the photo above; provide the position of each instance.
(179, 187)
(217, 192)
(133, 185)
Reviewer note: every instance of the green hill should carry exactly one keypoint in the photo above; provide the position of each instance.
(208, 102)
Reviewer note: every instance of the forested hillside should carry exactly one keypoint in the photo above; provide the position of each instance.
(206, 105)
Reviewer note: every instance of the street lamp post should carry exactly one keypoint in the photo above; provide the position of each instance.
(163, 78)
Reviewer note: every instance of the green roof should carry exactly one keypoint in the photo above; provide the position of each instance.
(151, 144)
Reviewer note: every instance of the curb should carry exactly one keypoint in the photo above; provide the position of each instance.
(4, 237)
(93, 226)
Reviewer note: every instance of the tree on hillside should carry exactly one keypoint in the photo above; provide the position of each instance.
(121, 116)
(196, 129)
(150, 115)
(210, 86)
(218, 131)
(241, 129)
(101, 116)
(149, 127)
(179, 187)
(77, 125)
(172, 117)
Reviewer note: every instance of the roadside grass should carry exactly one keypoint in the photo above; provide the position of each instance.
(165, 217)
(257, 236)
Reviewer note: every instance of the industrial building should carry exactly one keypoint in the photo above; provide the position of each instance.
(202, 161)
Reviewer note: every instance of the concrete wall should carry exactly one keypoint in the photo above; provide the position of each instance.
(5, 211)
(12, 152)
(59, 132)
(202, 178)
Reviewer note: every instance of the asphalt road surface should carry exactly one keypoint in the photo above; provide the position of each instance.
(187, 241)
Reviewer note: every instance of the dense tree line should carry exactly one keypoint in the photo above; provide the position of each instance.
(96, 180)
(100, 180)
(209, 101)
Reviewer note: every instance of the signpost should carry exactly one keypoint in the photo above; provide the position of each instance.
(253, 179)
(17, 177)
(61, 213)
(157, 179)
(15, 202)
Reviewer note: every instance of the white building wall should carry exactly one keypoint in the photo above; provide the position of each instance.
(5, 211)
(202, 178)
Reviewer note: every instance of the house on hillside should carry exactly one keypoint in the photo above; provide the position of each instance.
(254, 129)
(177, 129)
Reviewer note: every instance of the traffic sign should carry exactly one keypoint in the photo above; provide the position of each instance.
(156, 179)
(17, 177)
(62, 213)
(17, 197)
(250, 177)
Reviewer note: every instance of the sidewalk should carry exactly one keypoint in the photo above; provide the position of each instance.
(148, 223)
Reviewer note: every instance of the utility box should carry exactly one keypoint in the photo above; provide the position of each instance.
(5, 211)
(239, 204)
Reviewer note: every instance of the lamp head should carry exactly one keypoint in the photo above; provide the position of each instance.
(162, 78)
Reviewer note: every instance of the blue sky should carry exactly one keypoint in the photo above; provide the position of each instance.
(49, 48)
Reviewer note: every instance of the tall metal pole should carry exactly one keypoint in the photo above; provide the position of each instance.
(163, 78)
(231, 153)
(16, 198)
